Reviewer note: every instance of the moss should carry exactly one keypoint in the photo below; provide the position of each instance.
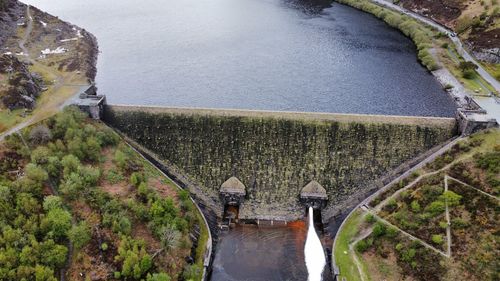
(275, 158)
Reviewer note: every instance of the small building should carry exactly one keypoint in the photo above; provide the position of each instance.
(314, 195)
(471, 121)
(232, 192)
(91, 103)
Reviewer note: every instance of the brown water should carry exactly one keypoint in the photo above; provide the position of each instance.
(262, 253)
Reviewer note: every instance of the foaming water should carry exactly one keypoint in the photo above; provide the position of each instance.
(313, 252)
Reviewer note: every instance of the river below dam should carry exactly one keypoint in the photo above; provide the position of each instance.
(292, 55)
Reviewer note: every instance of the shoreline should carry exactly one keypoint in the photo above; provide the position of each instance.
(437, 68)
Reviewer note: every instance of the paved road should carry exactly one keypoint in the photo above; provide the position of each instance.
(458, 44)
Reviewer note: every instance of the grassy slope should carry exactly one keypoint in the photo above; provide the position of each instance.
(343, 258)
(488, 143)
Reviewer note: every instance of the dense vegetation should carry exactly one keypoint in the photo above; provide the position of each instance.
(76, 200)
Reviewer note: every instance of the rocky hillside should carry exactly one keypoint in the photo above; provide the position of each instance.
(22, 87)
(10, 12)
(476, 21)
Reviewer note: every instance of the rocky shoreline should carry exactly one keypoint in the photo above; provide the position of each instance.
(40, 42)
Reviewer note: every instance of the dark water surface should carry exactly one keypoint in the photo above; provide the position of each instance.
(253, 54)
(261, 254)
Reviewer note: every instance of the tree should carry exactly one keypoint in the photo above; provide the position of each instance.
(57, 223)
(158, 277)
(40, 155)
(52, 254)
(40, 135)
(80, 235)
(43, 273)
(70, 164)
(169, 237)
(52, 202)
(468, 69)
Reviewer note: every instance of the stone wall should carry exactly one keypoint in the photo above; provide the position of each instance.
(275, 153)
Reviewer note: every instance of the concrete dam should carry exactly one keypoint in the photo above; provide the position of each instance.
(275, 154)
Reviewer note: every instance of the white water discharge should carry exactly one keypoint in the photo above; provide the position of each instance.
(313, 252)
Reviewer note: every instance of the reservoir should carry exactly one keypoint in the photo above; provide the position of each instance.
(253, 54)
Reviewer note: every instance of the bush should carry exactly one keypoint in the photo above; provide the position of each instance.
(40, 135)
(52, 202)
(379, 229)
(370, 218)
(362, 246)
(435, 208)
(415, 206)
(79, 235)
(57, 223)
(437, 239)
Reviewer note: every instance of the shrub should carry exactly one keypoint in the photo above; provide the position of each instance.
(379, 229)
(79, 235)
(392, 232)
(435, 208)
(415, 206)
(192, 272)
(362, 246)
(162, 277)
(437, 239)
(57, 223)
(52, 202)
(104, 246)
(370, 218)
(40, 135)
(451, 198)
(468, 74)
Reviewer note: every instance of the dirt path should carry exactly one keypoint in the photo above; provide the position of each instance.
(411, 237)
(63, 89)
(27, 33)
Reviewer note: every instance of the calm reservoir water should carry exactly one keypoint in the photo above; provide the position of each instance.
(253, 54)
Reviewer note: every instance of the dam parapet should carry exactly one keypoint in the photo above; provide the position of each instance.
(90, 102)
(276, 154)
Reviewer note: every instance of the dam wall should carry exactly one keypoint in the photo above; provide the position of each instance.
(275, 154)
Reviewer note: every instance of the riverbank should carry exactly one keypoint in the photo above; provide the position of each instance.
(436, 51)
(58, 59)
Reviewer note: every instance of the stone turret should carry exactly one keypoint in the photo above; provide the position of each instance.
(313, 195)
(232, 192)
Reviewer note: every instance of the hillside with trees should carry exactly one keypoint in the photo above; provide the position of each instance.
(77, 202)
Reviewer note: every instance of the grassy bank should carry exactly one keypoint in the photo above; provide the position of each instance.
(420, 34)
(344, 258)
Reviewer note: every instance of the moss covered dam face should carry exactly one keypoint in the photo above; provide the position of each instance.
(275, 154)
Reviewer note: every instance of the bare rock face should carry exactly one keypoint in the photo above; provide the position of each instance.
(485, 44)
(23, 86)
(10, 12)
